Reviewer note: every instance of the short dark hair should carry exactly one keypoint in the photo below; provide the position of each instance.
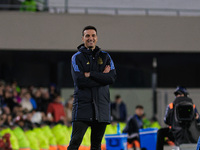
(55, 96)
(89, 28)
(139, 107)
(117, 96)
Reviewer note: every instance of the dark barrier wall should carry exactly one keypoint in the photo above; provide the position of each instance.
(134, 69)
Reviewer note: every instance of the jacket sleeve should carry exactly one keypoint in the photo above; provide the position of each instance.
(50, 109)
(196, 112)
(123, 113)
(78, 75)
(131, 128)
(105, 78)
(168, 114)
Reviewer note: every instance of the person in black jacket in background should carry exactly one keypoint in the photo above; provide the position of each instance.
(118, 110)
(93, 71)
(179, 131)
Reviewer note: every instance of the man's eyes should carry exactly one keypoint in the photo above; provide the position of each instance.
(92, 35)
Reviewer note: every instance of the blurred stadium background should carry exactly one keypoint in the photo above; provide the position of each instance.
(36, 47)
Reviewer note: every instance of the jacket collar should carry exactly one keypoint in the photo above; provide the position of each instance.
(88, 51)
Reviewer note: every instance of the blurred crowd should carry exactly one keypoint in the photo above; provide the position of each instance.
(30, 109)
(22, 105)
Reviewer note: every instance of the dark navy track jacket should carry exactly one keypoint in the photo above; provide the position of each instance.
(91, 95)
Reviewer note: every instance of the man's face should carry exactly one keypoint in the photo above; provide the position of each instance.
(58, 99)
(180, 95)
(89, 38)
(139, 112)
(118, 101)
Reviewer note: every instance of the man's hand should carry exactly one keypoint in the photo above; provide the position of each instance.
(87, 74)
(197, 116)
(107, 69)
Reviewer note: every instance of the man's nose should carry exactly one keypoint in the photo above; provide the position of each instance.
(90, 38)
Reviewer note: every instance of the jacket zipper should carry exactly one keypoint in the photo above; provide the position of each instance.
(92, 60)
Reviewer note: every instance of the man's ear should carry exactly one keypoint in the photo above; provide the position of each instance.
(82, 38)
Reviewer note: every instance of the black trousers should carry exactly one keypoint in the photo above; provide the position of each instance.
(78, 131)
(161, 134)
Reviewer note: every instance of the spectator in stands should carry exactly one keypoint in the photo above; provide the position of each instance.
(118, 110)
(68, 110)
(8, 120)
(2, 101)
(38, 98)
(36, 116)
(16, 96)
(20, 121)
(33, 102)
(178, 131)
(23, 91)
(56, 109)
(31, 90)
(29, 5)
(8, 87)
(3, 118)
(18, 111)
(15, 86)
(28, 103)
(53, 90)
(45, 101)
(8, 98)
(4, 109)
(134, 124)
(1, 89)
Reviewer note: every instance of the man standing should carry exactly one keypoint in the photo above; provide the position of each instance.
(118, 109)
(92, 71)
